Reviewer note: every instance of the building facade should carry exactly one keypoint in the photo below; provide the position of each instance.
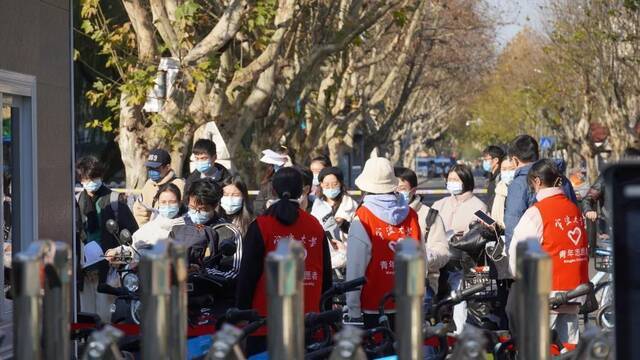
(37, 141)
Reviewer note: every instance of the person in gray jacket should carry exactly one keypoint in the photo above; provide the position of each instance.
(432, 230)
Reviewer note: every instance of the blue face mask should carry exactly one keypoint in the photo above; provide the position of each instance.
(331, 193)
(276, 168)
(231, 204)
(203, 166)
(316, 181)
(93, 185)
(198, 217)
(486, 165)
(406, 195)
(169, 211)
(154, 175)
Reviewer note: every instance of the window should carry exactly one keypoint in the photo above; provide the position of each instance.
(18, 213)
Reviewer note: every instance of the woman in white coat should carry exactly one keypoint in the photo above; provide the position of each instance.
(334, 209)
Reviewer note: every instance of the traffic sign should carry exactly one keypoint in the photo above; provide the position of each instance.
(546, 142)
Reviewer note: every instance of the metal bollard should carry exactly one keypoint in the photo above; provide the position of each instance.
(409, 290)
(45, 267)
(348, 344)
(163, 325)
(103, 345)
(534, 284)
(226, 344)
(285, 319)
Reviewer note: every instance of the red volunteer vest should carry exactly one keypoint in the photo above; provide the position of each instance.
(565, 240)
(381, 270)
(307, 230)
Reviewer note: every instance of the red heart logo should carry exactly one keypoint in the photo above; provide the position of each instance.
(392, 245)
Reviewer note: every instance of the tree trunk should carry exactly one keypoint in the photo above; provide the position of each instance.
(133, 149)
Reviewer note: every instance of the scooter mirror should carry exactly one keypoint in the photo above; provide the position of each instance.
(112, 227)
(125, 237)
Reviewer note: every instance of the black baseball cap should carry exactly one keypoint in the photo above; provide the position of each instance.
(157, 158)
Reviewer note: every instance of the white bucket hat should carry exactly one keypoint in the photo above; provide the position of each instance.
(377, 177)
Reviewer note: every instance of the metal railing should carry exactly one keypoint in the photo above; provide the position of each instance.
(409, 291)
(284, 269)
(163, 274)
(42, 304)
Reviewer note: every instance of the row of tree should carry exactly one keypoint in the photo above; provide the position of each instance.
(313, 75)
(580, 81)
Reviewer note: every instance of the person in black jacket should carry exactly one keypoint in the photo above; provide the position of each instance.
(282, 219)
(492, 158)
(203, 197)
(204, 151)
(97, 204)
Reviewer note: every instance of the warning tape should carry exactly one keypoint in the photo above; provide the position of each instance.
(351, 192)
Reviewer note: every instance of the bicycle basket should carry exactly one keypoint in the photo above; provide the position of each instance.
(480, 275)
(603, 260)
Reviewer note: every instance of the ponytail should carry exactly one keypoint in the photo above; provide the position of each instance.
(287, 183)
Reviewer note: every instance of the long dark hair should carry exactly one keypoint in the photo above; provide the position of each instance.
(244, 217)
(287, 183)
(335, 171)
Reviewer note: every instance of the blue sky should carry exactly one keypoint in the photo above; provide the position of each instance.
(515, 15)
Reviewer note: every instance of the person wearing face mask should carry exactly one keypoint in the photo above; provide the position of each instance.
(159, 172)
(458, 213)
(203, 198)
(283, 219)
(317, 164)
(492, 157)
(432, 231)
(507, 172)
(96, 205)
(523, 152)
(233, 205)
(168, 203)
(381, 221)
(334, 209)
(204, 153)
(556, 222)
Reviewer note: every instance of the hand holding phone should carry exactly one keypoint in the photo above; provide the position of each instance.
(485, 218)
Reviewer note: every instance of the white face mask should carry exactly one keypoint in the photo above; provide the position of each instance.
(507, 176)
(231, 204)
(454, 187)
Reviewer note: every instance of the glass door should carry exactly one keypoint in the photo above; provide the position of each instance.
(9, 115)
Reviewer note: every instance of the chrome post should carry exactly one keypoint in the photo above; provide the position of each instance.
(409, 291)
(533, 274)
(285, 319)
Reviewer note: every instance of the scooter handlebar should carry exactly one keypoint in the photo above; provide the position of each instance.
(326, 317)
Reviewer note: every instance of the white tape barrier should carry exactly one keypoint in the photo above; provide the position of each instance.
(351, 192)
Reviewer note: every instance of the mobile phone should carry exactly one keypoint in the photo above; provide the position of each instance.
(622, 199)
(484, 217)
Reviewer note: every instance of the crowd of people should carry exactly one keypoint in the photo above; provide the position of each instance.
(529, 198)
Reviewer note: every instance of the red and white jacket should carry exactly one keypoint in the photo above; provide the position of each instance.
(558, 224)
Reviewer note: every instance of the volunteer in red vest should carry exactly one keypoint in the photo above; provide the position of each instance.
(381, 221)
(557, 223)
(282, 219)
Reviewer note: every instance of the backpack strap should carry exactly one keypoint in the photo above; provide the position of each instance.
(432, 215)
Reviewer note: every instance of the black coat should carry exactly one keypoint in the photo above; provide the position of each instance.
(221, 176)
(94, 212)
